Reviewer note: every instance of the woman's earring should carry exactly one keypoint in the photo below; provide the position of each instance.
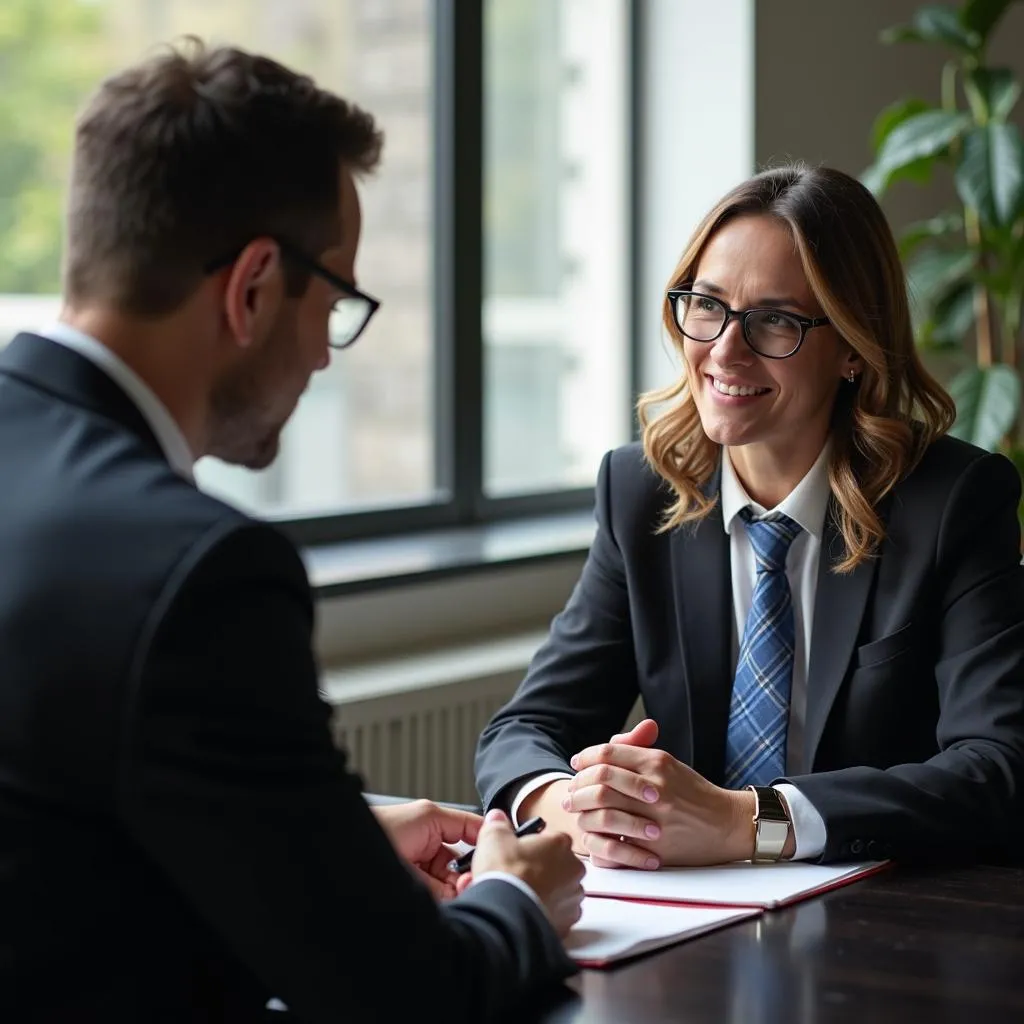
(853, 377)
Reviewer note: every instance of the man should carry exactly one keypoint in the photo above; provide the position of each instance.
(179, 841)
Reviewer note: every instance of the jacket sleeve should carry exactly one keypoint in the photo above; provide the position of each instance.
(230, 782)
(966, 800)
(581, 683)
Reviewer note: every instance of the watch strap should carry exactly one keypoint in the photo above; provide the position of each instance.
(771, 824)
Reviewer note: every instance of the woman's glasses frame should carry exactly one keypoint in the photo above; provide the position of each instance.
(805, 323)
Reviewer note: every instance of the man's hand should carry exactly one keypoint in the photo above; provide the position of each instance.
(419, 830)
(640, 807)
(545, 862)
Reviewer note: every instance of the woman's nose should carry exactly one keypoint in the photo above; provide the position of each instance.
(731, 346)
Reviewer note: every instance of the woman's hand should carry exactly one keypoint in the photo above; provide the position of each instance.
(639, 807)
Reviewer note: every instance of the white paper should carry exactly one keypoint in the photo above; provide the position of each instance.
(613, 929)
(741, 884)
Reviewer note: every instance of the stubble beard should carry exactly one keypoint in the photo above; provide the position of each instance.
(245, 420)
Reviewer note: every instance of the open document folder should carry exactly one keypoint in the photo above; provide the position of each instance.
(611, 929)
(742, 884)
(627, 912)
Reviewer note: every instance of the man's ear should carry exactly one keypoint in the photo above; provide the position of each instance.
(254, 290)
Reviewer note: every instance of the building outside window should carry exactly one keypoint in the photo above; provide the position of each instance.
(554, 150)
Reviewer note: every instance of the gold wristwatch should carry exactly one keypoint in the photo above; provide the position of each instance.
(771, 824)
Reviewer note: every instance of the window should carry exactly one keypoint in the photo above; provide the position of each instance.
(495, 233)
(363, 432)
(555, 243)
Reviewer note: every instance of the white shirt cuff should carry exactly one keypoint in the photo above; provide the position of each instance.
(528, 787)
(809, 832)
(515, 880)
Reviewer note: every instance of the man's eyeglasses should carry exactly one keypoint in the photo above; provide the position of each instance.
(349, 315)
(769, 332)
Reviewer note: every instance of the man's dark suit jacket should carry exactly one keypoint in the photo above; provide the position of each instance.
(914, 735)
(179, 840)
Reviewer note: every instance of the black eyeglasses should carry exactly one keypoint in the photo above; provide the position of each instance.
(349, 315)
(769, 332)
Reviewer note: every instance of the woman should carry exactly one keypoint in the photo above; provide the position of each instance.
(816, 593)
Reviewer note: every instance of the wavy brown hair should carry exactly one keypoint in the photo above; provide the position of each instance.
(881, 425)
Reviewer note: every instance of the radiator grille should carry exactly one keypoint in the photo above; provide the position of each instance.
(420, 743)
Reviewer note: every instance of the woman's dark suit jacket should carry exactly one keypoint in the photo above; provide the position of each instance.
(915, 697)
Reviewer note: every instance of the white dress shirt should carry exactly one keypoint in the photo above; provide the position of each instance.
(176, 450)
(806, 505)
(165, 429)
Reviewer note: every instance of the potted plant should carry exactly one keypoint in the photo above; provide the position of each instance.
(965, 264)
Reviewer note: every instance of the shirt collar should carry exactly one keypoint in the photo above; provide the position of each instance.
(806, 504)
(167, 432)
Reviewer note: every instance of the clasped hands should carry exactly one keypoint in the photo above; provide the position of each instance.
(635, 806)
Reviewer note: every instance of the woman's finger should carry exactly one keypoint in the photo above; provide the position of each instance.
(613, 822)
(622, 780)
(610, 851)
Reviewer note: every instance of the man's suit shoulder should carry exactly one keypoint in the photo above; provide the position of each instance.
(221, 538)
(173, 535)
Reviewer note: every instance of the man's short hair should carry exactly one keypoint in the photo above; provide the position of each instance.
(182, 160)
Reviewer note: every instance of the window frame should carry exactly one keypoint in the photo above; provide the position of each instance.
(457, 193)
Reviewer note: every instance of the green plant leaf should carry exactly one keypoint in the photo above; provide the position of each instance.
(991, 92)
(876, 181)
(933, 272)
(980, 16)
(913, 235)
(990, 174)
(924, 136)
(876, 178)
(935, 25)
(953, 316)
(987, 401)
(894, 114)
(932, 275)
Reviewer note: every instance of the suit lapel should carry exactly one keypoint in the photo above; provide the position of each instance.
(51, 367)
(839, 603)
(703, 595)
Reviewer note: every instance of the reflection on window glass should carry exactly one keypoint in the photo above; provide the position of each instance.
(362, 435)
(555, 223)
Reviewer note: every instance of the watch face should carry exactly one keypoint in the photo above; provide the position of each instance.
(769, 805)
(771, 839)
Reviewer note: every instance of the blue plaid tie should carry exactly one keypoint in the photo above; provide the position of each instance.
(755, 747)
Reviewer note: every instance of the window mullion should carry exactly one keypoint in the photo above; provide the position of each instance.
(458, 281)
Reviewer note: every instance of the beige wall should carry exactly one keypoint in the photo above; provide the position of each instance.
(822, 75)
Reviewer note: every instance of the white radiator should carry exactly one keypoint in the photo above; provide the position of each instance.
(410, 726)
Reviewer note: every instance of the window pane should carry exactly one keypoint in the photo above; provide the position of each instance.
(555, 243)
(363, 433)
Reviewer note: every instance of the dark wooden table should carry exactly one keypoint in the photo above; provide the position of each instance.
(904, 946)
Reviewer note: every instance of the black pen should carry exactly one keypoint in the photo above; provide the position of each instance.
(462, 864)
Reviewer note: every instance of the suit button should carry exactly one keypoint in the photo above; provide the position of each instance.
(856, 847)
